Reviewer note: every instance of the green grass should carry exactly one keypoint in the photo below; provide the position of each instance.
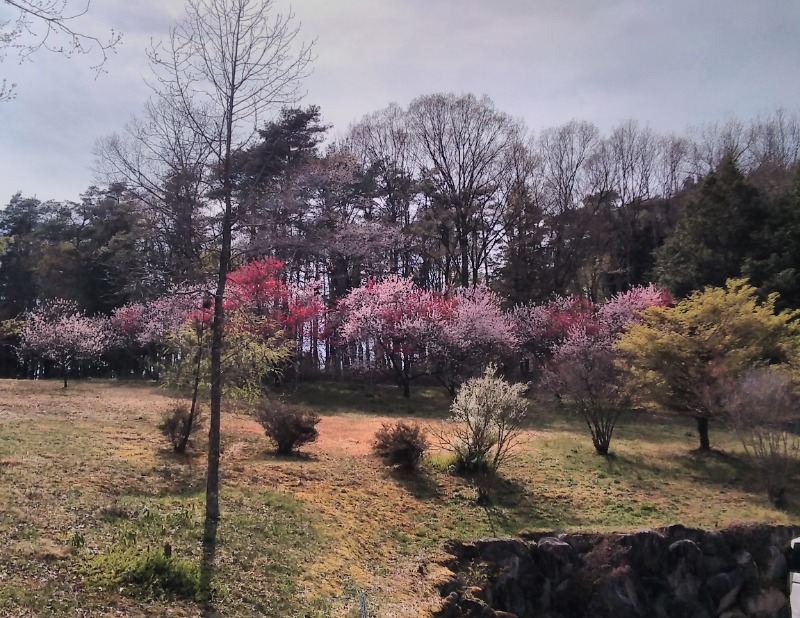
(90, 493)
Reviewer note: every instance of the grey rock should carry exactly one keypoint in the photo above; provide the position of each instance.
(449, 608)
(580, 542)
(749, 570)
(462, 551)
(621, 598)
(646, 549)
(449, 586)
(717, 553)
(769, 603)
(496, 550)
(733, 613)
(775, 567)
(474, 608)
(722, 590)
(685, 551)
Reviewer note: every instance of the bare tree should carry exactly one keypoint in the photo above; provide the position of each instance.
(713, 142)
(774, 139)
(762, 405)
(623, 172)
(382, 144)
(165, 163)
(567, 181)
(51, 25)
(226, 66)
(461, 149)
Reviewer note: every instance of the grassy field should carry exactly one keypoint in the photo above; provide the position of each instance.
(89, 494)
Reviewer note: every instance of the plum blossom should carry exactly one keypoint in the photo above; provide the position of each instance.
(60, 332)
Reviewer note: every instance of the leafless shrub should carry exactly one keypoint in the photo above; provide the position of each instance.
(400, 444)
(289, 427)
(763, 408)
(178, 424)
(584, 376)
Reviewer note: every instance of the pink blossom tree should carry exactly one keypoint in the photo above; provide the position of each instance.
(583, 371)
(149, 331)
(626, 307)
(61, 333)
(395, 318)
(473, 334)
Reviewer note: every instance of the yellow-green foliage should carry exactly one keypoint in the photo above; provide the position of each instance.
(677, 355)
(248, 356)
(11, 328)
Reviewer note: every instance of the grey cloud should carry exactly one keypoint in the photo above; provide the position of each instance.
(666, 64)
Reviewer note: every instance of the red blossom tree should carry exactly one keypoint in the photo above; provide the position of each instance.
(539, 329)
(269, 306)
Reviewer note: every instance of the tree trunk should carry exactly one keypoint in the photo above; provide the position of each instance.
(702, 429)
(187, 430)
(464, 270)
(217, 331)
(406, 373)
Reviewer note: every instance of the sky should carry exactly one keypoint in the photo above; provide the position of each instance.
(669, 64)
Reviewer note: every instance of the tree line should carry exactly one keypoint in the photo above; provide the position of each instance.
(449, 192)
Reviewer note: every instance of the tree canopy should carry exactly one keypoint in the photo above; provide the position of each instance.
(677, 355)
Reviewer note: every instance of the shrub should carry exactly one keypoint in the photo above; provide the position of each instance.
(178, 424)
(584, 376)
(289, 427)
(400, 444)
(487, 416)
(762, 407)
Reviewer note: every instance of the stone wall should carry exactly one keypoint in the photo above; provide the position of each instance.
(677, 572)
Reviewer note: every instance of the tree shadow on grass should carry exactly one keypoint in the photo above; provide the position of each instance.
(417, 482)
(207, 566)
(293, 457)
(330, 398)
(510, 507)
(179, 473)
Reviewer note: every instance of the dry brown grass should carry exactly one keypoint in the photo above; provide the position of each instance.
(85, 470)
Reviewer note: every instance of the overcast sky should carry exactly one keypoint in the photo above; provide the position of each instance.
(668, 64)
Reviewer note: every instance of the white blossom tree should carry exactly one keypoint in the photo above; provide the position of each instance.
(61, 333)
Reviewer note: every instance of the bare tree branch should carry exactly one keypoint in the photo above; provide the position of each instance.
(52, 25)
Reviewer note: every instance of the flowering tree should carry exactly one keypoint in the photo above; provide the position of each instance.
(150, 331)
(474, 333)
(395, 317)
(486, 417)
(626, 307)
(539, 329)
(61, 333)
(256, 289)
(583, 371)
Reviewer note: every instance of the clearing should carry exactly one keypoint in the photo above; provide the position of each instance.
(87, 482)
